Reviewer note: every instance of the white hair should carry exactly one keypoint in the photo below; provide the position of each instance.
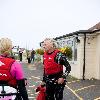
(54, 43)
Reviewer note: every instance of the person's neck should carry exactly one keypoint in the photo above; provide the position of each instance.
(50, 51)
(4, 55)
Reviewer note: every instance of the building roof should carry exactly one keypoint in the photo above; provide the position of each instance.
(91, 30)
(75, 33)
(95, 27)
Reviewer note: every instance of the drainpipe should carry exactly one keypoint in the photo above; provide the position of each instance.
(84, 56)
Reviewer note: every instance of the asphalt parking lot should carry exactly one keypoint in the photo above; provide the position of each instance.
(74, 90)
(83, 90)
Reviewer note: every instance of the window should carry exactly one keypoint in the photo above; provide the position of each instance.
(72, 43)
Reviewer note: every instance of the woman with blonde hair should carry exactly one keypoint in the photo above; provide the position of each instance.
(11, 72)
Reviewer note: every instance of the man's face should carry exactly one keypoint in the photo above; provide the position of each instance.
(47, 45)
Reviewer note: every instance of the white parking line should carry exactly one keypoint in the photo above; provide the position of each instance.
(32, 86)
(36, 77)
(31, 97)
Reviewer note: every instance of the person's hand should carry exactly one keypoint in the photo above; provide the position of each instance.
(42, 83)
(60, 81)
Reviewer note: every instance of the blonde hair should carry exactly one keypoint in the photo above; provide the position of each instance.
(52, 41)
(5, 45)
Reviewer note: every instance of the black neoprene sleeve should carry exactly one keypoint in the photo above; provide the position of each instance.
(22, 89)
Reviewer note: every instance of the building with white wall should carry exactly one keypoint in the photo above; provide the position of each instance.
(86, 52)
(85, 45)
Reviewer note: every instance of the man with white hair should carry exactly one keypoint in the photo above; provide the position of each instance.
(53, 76)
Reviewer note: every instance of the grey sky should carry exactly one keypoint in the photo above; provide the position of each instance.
(28, 22)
